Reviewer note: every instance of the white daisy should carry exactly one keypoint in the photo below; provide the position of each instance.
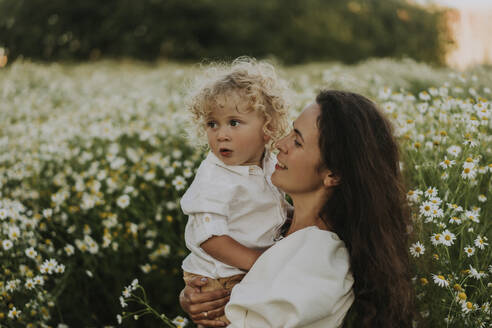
(468, 173)
(424, 95)
(469, 163)
(448, 238)
(69, 249)
(414, 195)
(467, 307)
(122, 302)
(454, 150)
(469, 251)
(29, 284)
(30, 252)
(455, 207)
(180, 322)
(480, 242)
(14, 313)
(472, 215)
(179, 182)
(431, 192)
(446, 163)
(440, 280)
(3, 213)
(39, 280)
(455, 220)
(417, 249)
(14, 232)
(482, 198)
(123, 201)
(7, 244)
(436, 239)
(474, 273)
(427, 208)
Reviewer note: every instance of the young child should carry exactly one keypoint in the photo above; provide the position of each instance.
(234, 211)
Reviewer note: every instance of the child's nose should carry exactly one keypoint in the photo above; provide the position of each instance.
(222, 135)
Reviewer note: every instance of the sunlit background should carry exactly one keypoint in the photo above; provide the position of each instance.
(471, 26)
(455, 33)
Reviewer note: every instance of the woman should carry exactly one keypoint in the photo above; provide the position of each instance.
(340, 166)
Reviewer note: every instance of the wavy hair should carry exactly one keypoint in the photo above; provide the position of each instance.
(368, 209)
(256, 82)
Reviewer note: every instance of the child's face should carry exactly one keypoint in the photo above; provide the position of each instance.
(235, 133)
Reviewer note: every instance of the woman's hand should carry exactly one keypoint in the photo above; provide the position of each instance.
(203, 307)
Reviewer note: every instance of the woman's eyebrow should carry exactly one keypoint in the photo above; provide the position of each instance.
(298, 132)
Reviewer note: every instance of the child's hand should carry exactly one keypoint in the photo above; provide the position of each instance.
(203, 307)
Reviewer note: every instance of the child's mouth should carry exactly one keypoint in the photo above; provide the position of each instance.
(225, 152)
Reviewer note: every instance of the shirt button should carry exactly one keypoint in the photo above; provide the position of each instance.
(207, 219)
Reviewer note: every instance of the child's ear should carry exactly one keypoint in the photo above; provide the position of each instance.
(330, 179)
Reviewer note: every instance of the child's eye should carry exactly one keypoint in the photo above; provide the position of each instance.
(211, 124)
(297, 143)
(234, 122)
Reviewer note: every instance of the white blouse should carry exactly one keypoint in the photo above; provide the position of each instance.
(304, 280)
(238, 201)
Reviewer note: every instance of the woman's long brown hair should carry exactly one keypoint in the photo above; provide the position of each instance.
(368, 210)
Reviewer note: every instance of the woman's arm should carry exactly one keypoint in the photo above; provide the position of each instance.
(229, 251)
(203, 307)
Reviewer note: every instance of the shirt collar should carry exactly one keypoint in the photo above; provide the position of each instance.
(244, 170)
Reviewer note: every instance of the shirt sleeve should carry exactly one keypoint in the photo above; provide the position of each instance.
(202, 226)
(302, 281)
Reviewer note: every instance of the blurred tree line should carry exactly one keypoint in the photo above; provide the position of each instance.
(293, 31)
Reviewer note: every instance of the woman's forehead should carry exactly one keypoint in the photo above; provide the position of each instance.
(306, 123)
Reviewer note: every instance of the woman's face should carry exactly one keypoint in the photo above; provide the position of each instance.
(299, 156)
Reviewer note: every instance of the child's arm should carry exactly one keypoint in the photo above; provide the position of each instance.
(229, 251)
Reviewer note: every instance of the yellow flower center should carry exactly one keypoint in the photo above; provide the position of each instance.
(462, 296)
(418, 249)
(437, 237)
(427, 207)
(447, 237)
(447, 161)
(469, 159)
(469, 305)
(441, 277)
(466, 170)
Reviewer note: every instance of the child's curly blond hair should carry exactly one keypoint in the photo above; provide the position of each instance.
(256, 82)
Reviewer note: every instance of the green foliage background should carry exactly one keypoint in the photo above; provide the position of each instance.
(291, 30)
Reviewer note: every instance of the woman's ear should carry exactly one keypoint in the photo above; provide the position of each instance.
(330, 179)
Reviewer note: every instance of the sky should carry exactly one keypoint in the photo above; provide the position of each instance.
(464, 3)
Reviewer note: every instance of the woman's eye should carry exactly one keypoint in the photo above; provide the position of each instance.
(234, 123)
(211, 124)
(297, 143)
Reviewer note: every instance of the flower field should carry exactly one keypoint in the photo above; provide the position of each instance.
(94, 159)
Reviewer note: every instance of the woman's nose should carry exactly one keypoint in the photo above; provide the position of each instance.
(281, 145)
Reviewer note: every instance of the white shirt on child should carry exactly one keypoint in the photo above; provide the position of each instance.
(238, 201)
(304, 280)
